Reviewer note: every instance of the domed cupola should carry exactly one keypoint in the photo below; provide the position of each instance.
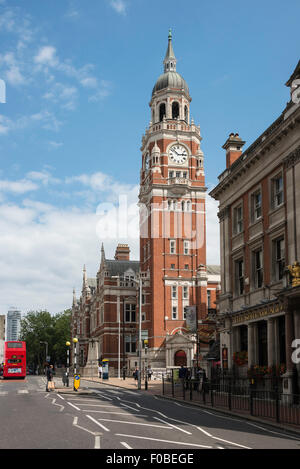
(170, 78)
(170, 96)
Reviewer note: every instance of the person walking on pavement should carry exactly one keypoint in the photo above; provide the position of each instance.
(136, 375)
(100, 371)
(149, 373)
(49, 375)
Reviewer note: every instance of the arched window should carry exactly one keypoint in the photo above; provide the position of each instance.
(175, 110)
(182, 205)
(162, 111)
(186, 114)
(188, 206)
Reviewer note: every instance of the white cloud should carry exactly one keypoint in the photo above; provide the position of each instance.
(17, 187)
(119, 6)
(43, 247)
(47, 56)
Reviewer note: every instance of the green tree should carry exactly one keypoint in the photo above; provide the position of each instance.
(41, 326)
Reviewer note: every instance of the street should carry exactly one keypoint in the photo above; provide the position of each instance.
(106, 417)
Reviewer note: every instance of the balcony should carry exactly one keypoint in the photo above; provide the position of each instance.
(179, 185)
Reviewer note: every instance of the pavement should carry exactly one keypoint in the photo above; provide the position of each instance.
(154, 386)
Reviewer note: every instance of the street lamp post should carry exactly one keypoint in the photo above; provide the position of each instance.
(146, 364)
(68, 361)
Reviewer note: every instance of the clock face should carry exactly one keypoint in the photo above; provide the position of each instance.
(178, 154)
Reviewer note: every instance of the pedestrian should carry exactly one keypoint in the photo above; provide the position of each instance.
(136, 375)
(149, 373)
(100, 371)
(49, 375)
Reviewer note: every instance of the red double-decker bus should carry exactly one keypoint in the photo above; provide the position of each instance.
(14, 359)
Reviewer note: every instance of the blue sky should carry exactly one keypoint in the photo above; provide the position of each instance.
(79, 77)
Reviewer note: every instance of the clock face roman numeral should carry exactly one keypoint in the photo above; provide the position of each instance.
(178, 154)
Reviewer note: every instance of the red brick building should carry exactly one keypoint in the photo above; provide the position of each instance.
(172, 249)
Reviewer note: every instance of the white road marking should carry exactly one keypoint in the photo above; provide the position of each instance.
(23, 391)
(163, 441)
(61, 397)
(272, 431)
(98, 423)
(138, 423)
(97, 442)
(199, 428)
(70, 403)
(111, 413)
(221, 439)
(113, 391)
(125, 444)
(174, 426)
(104, 397)
(129, 407)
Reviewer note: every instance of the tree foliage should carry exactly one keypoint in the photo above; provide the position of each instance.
(41, 326)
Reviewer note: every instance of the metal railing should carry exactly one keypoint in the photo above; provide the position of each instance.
(269, 404)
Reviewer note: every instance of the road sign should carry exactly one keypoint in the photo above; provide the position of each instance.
(76, 381)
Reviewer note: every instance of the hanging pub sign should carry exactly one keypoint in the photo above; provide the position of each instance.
(225, 358)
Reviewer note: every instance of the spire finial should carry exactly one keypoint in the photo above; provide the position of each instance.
(170, 59)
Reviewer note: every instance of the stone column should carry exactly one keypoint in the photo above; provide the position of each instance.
(289, 336)
(271, 342)
(251, 356)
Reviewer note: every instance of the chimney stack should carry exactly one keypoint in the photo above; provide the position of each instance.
(233, 147)
(122, 252)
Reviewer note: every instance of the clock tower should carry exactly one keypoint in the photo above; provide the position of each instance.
(172, 223)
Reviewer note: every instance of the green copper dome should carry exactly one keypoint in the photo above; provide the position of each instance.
(170, 78)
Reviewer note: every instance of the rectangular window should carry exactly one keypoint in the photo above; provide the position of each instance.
(172, 266)
(258, 268)
(178, 174)
(184, 174)
(256, 206)
(174, 292)
(186, 247)
(277, 191)
(174, 312)
(186, 267)
(238, 219)
(130, 312)
(171, 174)
(208, 299)
(130, 344)
(239, 277)
(185, 293)
(278, 258)
(172, 246)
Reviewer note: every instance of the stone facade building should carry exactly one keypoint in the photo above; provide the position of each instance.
(259, 214)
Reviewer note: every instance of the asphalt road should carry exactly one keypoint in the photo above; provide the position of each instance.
(107, 417)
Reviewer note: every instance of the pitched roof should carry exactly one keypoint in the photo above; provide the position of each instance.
(120, 267)
(213, 269)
